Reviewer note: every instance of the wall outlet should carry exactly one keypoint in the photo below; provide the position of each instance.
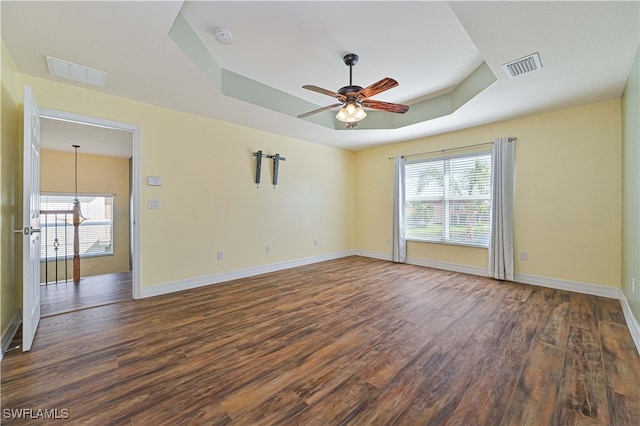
(267, 249)
(316, 243)
(154, 204)
(220, 255)
(524, 256)
(633, 285)
(388, 241)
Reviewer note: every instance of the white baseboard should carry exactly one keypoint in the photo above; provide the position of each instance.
(429, 263)
(170, 287)
(10, 332)
(556, 283)
(575, 286)
(448, 266)
(632, 323)
(372, 254)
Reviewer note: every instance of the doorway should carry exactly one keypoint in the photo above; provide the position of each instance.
(100, 141)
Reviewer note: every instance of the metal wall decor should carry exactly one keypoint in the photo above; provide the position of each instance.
(276, 165)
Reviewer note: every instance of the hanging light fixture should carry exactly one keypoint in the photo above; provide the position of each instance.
(351, 112)
(77, 217)
(77, 220)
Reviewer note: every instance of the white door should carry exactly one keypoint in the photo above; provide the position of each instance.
(31, 221)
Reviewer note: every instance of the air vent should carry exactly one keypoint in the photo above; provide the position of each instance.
(521, 66)
(75, 72)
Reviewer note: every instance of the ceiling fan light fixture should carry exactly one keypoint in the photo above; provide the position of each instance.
(351, 113)
(352, 97)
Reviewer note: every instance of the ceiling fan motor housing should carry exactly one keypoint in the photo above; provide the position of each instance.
(349, 89)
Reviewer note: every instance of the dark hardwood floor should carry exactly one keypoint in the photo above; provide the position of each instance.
(92, 291)
(351, 341)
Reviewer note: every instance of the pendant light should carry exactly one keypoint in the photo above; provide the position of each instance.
(77, 218)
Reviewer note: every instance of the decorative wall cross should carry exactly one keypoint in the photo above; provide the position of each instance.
(276, 165)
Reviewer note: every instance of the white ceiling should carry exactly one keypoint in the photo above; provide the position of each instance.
(586, 48)
(61, 135)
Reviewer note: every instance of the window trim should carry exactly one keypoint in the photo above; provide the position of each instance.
(455, 198)
(86, 255)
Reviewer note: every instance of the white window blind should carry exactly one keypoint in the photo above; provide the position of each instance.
(448, 200)
(95, 233)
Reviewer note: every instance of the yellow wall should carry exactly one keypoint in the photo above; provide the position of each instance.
(567, 194)
(96, 175)
(631, 189)
(210, 203)
(568, 190)
(209, 199)
(11, 209)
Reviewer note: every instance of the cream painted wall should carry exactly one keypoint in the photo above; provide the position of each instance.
(631, 188)
(96, 175)
(209, 199)
(343, 199)
(567, 189)
(11, 209)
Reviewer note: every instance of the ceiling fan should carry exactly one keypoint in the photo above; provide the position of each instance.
(353, 98)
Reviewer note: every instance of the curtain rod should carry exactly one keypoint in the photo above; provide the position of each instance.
(451, 149)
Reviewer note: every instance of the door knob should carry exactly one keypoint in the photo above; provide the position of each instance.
(27, 231)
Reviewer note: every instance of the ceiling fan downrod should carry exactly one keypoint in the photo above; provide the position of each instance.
(350, 60)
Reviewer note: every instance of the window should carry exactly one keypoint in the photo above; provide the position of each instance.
(449, 200)
(95, 233)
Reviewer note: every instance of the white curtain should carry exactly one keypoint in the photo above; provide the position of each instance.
(501, 242)
(399, 252)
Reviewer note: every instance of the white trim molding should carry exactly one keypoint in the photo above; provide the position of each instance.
(10, 332)
(556, 283)
(170, 287)
(135, 177)
(428, 263)
(373, 254)
(632, 323)
(448, 266)
(568, 285)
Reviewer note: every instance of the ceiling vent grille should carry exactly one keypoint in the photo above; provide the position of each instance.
(521, 66)
(75, 72)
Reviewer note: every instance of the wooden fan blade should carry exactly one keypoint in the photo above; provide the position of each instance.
(325, 92)
(379, 87)
(385, 106)
(306, 114)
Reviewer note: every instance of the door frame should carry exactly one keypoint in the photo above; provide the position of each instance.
(136, 275)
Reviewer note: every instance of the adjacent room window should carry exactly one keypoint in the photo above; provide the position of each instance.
(448, 200)
(95, 233)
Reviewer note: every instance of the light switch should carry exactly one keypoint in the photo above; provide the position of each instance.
(154, 181)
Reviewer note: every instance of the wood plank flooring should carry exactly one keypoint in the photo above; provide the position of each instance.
(62, 297)
(351, 341)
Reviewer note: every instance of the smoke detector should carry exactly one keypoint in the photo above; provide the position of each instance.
(223, 36)
(521, 66)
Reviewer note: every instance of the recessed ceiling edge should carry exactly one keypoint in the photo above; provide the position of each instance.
(237, 86)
